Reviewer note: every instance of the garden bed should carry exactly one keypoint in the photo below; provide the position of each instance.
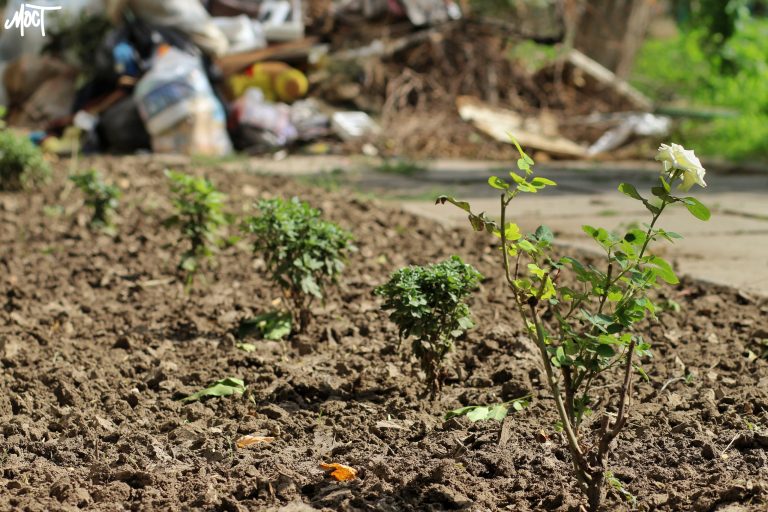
(98, 341)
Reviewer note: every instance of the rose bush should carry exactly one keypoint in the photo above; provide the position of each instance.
(590, 330)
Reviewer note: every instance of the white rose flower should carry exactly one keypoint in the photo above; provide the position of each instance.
(682, 162)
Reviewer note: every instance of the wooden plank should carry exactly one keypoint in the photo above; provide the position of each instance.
(499, 123)
(231, 64)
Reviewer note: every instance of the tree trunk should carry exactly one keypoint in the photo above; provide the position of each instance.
(612, 31)
(596, 492)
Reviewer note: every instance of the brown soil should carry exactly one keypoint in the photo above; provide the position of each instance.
(98, 342)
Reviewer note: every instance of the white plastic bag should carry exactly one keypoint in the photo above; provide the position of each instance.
(179, 108)
(187, 16)
(243, 33)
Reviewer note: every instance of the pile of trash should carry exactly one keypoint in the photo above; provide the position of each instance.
(416, 77)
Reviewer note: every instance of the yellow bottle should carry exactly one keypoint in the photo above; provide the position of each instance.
(277, 80)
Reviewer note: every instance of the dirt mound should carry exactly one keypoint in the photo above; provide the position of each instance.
(98, 343)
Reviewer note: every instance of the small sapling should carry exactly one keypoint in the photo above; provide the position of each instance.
(427, 303)
(199, 216)
(22, 165)
(303, 253)
(100, 197)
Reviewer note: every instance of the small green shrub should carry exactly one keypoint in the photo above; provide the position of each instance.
(428, 303)
(302, 252)
(22, 164)
(99, 196)
(199, 216)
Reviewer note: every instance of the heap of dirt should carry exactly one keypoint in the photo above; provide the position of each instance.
(98, 341)
(414, 90)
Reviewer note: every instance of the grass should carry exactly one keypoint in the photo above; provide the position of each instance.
(728, 83)
(212, 161)
(330, 181)
(400, 166)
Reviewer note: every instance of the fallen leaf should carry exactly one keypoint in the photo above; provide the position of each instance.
(251, 439)
(340, 472)
(224, 387)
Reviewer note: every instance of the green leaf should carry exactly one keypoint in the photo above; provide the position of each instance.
(246, 347)
(519, 404)
(512, 232)
(697, 209)
(663, 269)
(541, 182)
(498, 412)
(664, 183)
(605, 351)
(495, 412)
(669, 235)
(465, 323)
(525, 158)
(536, 270)
(544, 235)
(527, 246)
(482, 412)
(661, 193)
(461, 204)
(462, 411)
(639, 369)
(273, 326)
(498, 183)
(479, 413)
(188, 263)
(224, 387)
(527, 187)
(652, 208)
(516, 177)
(630, 190)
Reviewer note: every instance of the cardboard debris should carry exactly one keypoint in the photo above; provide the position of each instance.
(529, 131)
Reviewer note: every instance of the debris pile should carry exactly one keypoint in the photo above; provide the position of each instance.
(422, 78)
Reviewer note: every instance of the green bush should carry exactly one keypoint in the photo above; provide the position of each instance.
(99, 196)
(22, 164)
(428, 303)
(302, 252)
(199, 216)
(731, 75)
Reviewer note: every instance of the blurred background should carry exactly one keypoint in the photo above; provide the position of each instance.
(572, 79)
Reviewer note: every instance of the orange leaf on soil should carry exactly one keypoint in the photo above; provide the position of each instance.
(252, 439)
(340, 472)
